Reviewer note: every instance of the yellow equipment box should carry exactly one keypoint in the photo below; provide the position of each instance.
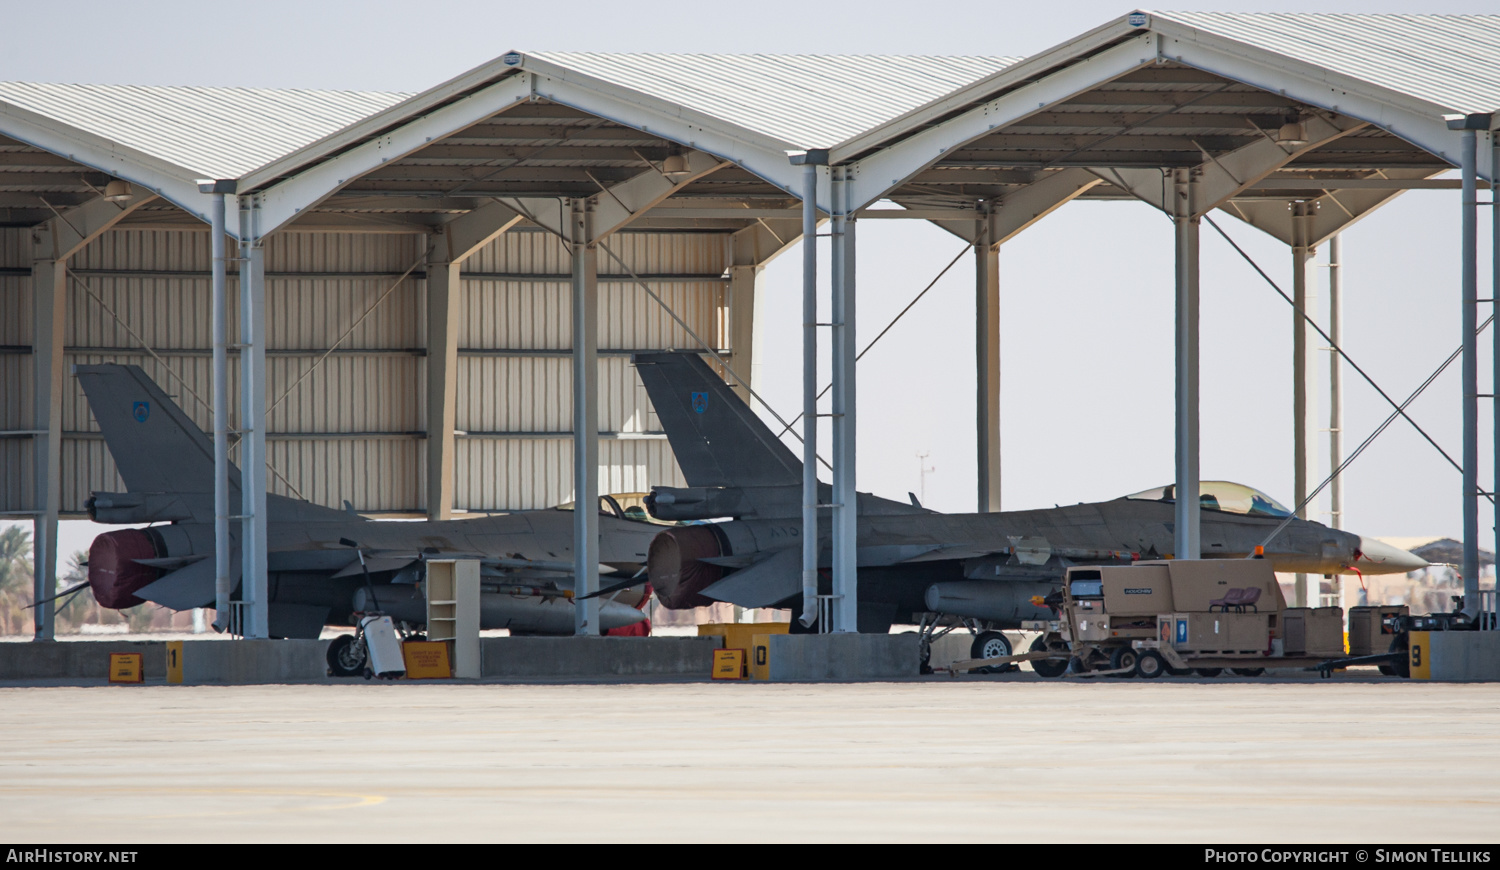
(127, 668)
(427, 660)
(729, 664)
(737, 635)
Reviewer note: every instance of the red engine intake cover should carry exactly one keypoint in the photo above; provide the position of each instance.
(113, 573)
(675, 570)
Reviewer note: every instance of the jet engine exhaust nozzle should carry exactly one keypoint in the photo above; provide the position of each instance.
(674, 567)
(114, 575)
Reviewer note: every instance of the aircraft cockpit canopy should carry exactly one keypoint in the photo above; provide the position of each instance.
(1222, 495)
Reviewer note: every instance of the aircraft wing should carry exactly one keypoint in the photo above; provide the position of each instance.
(189, 587)
(769, 581)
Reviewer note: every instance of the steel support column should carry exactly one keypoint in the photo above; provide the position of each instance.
(743, 298)
(1336, 395)
(845, 497)
(585, 272)
(443, 308)
(1304, 383)
(1469, 245)
(219, 314)
(49, 282)
(810, 163)
(987, 359)
(1185, 533)
(253, 581)
(1494, 619)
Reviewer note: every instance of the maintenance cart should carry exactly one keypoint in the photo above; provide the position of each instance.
(1203, 616)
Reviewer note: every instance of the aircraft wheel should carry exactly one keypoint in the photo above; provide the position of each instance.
(345, 657)
(1248, 672)
(1048, 668)
(1402, 668)
(1149, 665)
(990, 645)
(1124, 657)
(1208, 672)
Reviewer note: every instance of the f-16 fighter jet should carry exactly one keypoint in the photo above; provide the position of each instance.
(315, 553)
(994, 568)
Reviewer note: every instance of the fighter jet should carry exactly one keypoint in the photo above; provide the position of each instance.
(318, 556)
(992, 567)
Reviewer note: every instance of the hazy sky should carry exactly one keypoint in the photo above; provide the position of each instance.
(1086, 294)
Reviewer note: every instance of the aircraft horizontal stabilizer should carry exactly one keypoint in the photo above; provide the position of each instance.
(171, 562)
(764, 584)
(376, 564)
(189, 587)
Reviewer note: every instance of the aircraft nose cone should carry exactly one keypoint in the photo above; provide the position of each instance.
(1381, 558)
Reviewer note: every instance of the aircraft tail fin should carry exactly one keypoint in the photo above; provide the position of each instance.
(156, 447)
(717, 439)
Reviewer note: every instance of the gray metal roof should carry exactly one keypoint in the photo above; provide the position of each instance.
(809, 101)
(213, 132)
(1450, 60)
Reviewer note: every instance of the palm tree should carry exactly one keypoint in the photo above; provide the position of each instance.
(15, 578)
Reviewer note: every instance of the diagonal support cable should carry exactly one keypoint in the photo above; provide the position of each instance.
(702, 344)
(888, 326)
(168, 369)
(1399, 412)
(1400, 409)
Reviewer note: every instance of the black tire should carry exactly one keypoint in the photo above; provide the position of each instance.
(989, 645)
(1179, 672)
(345, 658)
(1402, 667)
(1208, 672)
(1124, 657)
(1149, 665)
(1248, 672)
(1388, 670)
(1049, 668)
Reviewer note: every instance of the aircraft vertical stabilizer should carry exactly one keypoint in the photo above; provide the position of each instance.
(718, 440)
(156, 447)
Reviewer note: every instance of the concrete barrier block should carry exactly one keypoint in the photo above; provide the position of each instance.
(1464, 655)
(243, 662)
(597, 656)
(843, 656)
(76, 660)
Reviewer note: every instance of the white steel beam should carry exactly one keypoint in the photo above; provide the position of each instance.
(1414, 120)
(1338, 209)
(884, 170)
(756, 152)
(845, 497)
(987, 360)
(282, 201)
(446, 251)
(49, 282)
(750, 250)
(624, 202)
(585, 269)
(254, 583)
(1304, 382)
(1186, 538)
(1023, 207)
(1228, 175)
(52, 244)
(174, 183)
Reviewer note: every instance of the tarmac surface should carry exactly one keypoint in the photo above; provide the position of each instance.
(1009, 758)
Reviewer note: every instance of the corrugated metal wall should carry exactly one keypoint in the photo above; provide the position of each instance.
(350, 425)
(17, 480)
